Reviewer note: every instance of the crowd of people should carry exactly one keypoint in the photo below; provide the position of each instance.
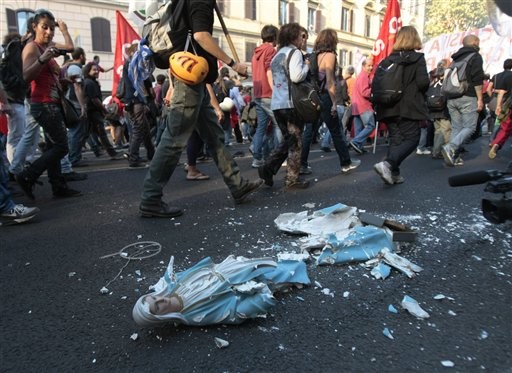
(166, 116)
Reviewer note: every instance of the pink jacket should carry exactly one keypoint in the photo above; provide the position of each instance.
(361, 94)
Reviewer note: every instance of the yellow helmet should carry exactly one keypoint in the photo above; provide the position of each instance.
(188, 68)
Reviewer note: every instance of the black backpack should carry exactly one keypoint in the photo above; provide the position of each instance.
(436, 100)
(387, 83)
(304, 95)
(11, 71)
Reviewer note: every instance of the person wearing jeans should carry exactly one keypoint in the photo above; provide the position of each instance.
(28, 143)
(464, 110)
(262, 94)
(362, 109)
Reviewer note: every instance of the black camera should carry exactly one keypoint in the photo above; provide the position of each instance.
(497, 211)
(62, 52)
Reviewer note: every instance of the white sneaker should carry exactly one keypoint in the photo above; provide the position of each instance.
(353, 165)
(257, 163)
(18, 214)
(384, 171)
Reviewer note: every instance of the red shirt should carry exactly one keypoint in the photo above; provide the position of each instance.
(260, 65)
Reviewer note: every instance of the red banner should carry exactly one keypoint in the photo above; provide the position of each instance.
(125, 37)
(392, 23)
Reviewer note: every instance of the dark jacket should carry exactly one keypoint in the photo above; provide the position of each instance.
(474, 70)
(416, 81)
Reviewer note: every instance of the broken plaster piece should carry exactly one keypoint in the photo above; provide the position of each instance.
(412, 306)
(134, 337)
(221, 343)
(392, 309)
(104, 290)
(388, 333)
(447, 363)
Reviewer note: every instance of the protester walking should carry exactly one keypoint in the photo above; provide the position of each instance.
(42, 71)
(262, 95)
(403, 118)
(290, 41)
(464, 110)
(325, 55)
(362, 109)
(191, 109)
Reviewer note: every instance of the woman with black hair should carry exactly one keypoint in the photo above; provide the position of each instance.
(42, 72)
(290, 41)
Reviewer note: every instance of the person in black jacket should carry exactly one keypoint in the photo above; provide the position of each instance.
(403, 118)
(464, 110)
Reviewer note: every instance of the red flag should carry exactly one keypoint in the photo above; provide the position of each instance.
(125, 37)
(392, 23)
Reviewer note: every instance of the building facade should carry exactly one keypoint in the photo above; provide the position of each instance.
(92, 23)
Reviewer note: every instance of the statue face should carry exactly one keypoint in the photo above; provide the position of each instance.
(160, 305)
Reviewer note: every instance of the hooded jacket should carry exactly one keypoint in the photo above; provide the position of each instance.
(413, 104)
(474, 70)
(260, 65)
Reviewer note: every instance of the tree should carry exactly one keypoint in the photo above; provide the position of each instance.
(448, 16)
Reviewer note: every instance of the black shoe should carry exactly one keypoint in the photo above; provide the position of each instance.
(161, 210)
(298, 184)
(241, 194)
(115, 156)
(65, 192)
(27, 185)
(137, 164)
(355, 147)
(326, 149)
(79, 164)
(74, 176)
(266, 175)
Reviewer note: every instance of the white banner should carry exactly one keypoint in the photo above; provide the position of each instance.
(494, 48)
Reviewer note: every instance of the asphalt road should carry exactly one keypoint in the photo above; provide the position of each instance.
(54, 317)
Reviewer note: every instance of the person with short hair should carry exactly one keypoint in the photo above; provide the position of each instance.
(464, 110)
(262, 96)
(503, 108)
(362, 109)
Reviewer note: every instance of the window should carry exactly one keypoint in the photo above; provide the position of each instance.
(346, 19)
(367, 25)
(283, 12)
(100, 28)
(249, 50)
(17, 20)
(343, 58)
(311, 19)
(250, 9)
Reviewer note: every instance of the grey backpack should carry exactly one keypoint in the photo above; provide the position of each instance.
(455, 82)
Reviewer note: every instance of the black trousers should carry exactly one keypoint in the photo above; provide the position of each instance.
(404, 136)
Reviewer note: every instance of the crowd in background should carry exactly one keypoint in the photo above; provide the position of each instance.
(37, 138)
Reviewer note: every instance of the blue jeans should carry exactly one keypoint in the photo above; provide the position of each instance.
(261, 142)
(49, 116)
(190, 109)
(16, 124)
(333, 124)
(463, 116)
(307, 138)
(77, 136)
(28, 143)
(6, 202)
(365, 124)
